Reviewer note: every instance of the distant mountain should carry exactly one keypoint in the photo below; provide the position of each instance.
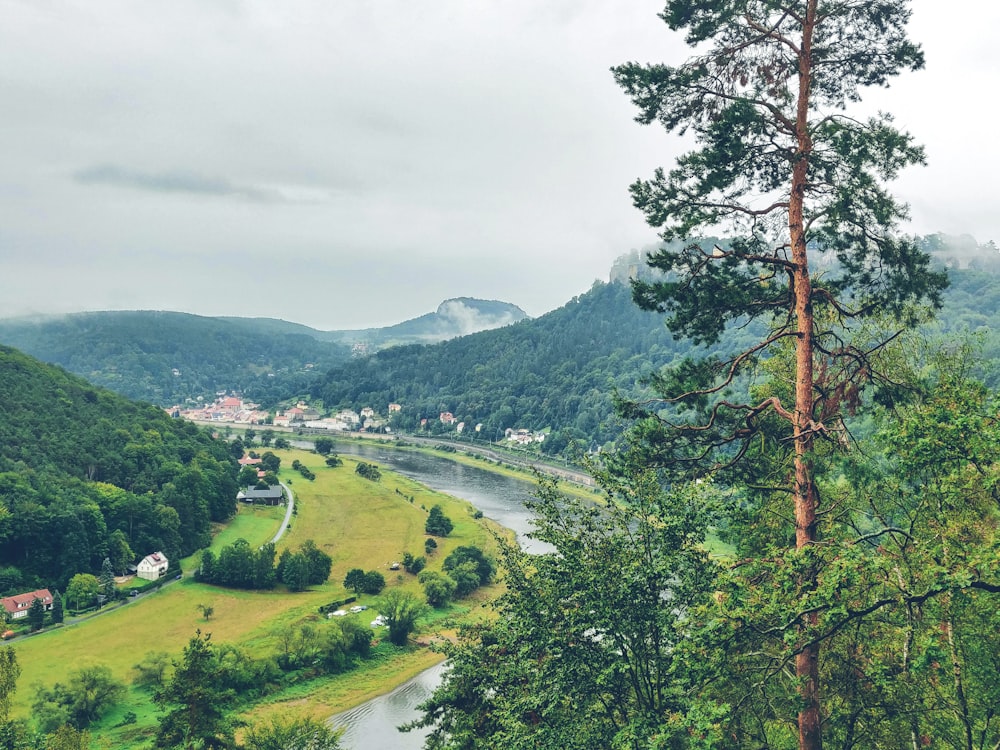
(557, 371)
(87, 474)
(167, 358)
(460, 316)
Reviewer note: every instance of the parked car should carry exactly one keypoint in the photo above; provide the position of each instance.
(339, 613)
(359, 608)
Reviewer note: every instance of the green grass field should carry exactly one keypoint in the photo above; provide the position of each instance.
(359, 523)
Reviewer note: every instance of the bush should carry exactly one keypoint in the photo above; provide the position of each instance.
(438, 523)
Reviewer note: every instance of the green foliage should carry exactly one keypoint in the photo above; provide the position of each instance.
(36, 614)
(10, 670)
(355, 580)
(323, 445)
(82, 590)
(293, 734)
(92, 475)
(584, 651)
(58, 612)
(88, 693)
(368, 471)
(438, 587)
(481, 566)
(196, 700)
(136, 354)
(106, 579)
(373, 582)
(401, 610)
(438, 523)
(150, 672)
(430, 545)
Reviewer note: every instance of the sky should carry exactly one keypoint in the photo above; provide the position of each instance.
(352, 163)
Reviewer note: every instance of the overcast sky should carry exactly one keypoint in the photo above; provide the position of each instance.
(352, 163)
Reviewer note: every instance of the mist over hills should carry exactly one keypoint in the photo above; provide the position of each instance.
(171, 358)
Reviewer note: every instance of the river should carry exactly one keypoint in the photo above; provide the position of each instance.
(372, 725)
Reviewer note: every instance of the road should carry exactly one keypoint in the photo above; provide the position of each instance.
(289, 510)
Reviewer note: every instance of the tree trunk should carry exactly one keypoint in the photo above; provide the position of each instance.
(807, 661)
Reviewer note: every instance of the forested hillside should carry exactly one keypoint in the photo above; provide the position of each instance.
(557, 371)
(168, 357)
(87, 474)
(560, 370)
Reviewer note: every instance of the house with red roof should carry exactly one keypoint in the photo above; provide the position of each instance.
(17, 606)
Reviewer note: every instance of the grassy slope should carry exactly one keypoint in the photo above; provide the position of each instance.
(360, 523)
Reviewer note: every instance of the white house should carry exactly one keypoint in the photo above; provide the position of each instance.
(152, 566)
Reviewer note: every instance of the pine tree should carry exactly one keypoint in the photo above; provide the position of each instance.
(783, 170)
(58, 614)
(107, 579)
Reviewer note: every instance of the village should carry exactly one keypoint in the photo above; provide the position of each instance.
(230, 409)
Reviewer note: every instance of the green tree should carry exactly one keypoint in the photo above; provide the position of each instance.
(58, 613)
(374, 582)
(120, 552)
(149, 672)
(318, 561)
(324, 445)
(588, 646)
(36, 614)
(67, 737)
(300, 734)
(355, 580)
(430, 545)
(401, 610)
(10, 670)
(765, 100)
(195, 701)
(88, 693)
(281, 443)
(270, 462)
(438, 523)
(295, 573)
(207, 610)
(82, 589)
(482, 566)
(107, 580)
(266, 436)
(438, 588)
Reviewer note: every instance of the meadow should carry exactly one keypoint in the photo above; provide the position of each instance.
(359, 523)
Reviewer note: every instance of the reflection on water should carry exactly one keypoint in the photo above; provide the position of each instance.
(372, 725)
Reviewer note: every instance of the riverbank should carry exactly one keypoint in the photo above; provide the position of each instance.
(358, 522)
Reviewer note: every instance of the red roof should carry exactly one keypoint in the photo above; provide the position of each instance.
(23, 601)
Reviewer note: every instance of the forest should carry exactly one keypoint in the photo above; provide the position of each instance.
(86, 474)
(169, 358)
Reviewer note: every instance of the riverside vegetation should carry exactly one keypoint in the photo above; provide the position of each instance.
(276, 654)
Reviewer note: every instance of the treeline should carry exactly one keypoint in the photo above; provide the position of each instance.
(168, 357)
(238, 565)
(86, 474)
